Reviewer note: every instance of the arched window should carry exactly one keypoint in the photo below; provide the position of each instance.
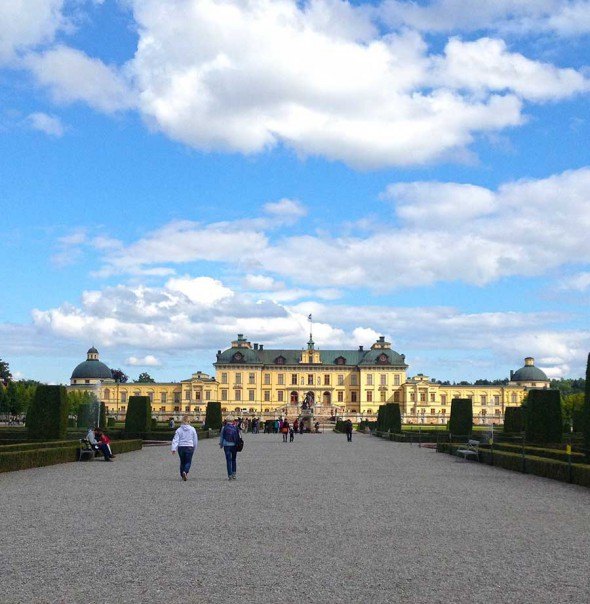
(238, 357)
(280, 360)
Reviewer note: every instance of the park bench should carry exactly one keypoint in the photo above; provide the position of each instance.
(470, 450)
(86, 451)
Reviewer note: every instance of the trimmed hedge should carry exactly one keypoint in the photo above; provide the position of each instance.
(513, 419)
(461, 421)
(110, 422)
(47, 416)
(138, 419)
(543, 422)
(43, 455)
(213, 419)
(88, 415)
(586, 410)
(389, 418)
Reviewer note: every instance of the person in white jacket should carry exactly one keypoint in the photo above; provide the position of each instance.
(185, 442)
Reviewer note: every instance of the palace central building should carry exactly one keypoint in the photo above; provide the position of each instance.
(252, 380)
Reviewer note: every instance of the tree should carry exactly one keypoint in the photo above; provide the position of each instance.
(138, 419)
(543, 423)
(145, 378)
(47, 417)
(461, 421)
(119, 376)
(77, 398)
(572, 408)
(5, 375)
(213, 416)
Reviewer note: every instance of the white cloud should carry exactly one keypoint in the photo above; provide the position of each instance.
(200, 290)
(579, 282)
(49, 124)
(73, 76)
(286, 209)
(260, 283)
(25, 24)
(147, 361)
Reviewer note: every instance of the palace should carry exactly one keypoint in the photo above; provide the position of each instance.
(252, 380)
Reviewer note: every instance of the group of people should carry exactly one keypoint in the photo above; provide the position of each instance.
(99, 441)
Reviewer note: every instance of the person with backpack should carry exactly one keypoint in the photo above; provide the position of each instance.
(185, 441)
(285, 430)
(228, 441)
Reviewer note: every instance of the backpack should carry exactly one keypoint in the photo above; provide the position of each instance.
(230, 433)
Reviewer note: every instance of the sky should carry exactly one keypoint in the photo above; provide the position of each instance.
(176, 172)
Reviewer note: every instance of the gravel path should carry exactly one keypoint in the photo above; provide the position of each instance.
(318, 520)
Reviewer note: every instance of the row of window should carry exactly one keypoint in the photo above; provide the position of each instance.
(310, 379)
(483, 398)
(163, 398)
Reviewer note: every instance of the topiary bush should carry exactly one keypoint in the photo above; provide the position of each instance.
(213, 417)
(513, 419)
(461, 421)
(586, 411)
(543, 423)
(138, 419)
(389, 418)
(47, 416)
(103, 415)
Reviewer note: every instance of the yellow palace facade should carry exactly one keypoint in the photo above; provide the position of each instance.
(254, 381)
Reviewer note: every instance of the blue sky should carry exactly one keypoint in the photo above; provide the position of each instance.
(175, 172)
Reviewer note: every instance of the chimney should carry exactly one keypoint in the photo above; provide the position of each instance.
(260, 347)
(382, 338)
(255, 346)
(360, 349)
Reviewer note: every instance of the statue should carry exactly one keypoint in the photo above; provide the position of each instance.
(307, 401)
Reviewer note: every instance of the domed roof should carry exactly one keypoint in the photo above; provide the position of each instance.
(92, 351)
(93, 369)
(529, 373)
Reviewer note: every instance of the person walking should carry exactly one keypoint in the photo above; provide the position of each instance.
(185, 441)
(291, 433)
(348, 430)
(285, 430)
(228, 441)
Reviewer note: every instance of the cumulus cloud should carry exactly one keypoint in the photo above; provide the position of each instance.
(72, 76)
(25, 24)
(49, 124)
(148, 360)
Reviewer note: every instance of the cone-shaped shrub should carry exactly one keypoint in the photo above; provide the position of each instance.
(213, 416)
(103, 415)
(513, 419)
(461, 422)
(138, 419)
(381, 418)
(47, 416)
(543, 423)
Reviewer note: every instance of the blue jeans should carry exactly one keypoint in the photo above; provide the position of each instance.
(185, 455)
(230, 459)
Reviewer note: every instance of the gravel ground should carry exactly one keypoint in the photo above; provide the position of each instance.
(318, 520)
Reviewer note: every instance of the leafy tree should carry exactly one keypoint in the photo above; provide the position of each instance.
(145, 378)
(119, 376)
(47, 417)
(5, 375)
(572, 408)
(76, 398)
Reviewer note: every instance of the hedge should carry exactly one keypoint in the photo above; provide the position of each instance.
(543, 422)
(50, 455)
(461, 421)
(138, 419)
(88, 415)
(213, 419)
(47, 416)
(389, 418)
(586, 410)
(513, 419)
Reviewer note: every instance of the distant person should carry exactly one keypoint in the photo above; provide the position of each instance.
(301, 427)
(103, 442)
(228, 441)
(276, 426)
(348, 430)
(291, 434)
(171, 423)
(317, 427)
(91, 438)
(285, 430)
(185, 441)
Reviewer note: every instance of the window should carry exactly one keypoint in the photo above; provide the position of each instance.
(267, 379)
(326, 379)
(496, 399)
(107, 394)
(310, 379)
(187, 395)
(207, 395)
(423, 397)
(251, 378)
(197, 395)
(383, 379)
(443, 411)
(340, 361)
(280, 360)
(353, 397)
(123, 397)
(163, 409)
(396, 379)
(281, 379)
(412, 396)
(177, 397)
(151, 395)
(280, 396)
(513, 397)
(266, 396)
(340, 380)
(162, 397)
(353, 380)
(340, 396)
(87, 381)
(369, 396)
(224, 395)
(396, 396)
(311, 358)
(237, 395)
(238, 379)
(483, 399)
(122, 408)
(382, 395)
(187, 409)
(497, 411)
(224, 378)
(369, 379)
(483, 411)
(293, 379)
(443, 399)
(250, 395)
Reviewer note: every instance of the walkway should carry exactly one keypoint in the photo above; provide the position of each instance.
(319, 520)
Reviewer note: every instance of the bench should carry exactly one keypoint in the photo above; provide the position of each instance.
(86, 451)
(470, 450)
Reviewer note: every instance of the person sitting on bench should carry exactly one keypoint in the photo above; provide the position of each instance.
(103, 443)
(91, 439)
